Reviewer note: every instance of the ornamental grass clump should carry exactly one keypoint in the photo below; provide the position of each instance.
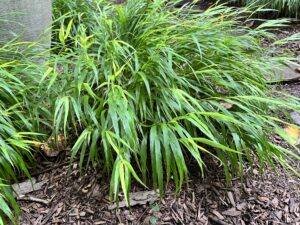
(145, 88)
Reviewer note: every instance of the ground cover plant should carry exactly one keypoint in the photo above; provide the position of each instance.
(144, 89)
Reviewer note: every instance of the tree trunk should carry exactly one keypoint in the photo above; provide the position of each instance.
(25, 19)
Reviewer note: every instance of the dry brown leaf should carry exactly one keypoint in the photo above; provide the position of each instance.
(293, 133)
(53, 147)
(50, 152)
(37, 145)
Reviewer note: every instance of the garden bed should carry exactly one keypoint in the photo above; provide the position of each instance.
(261, 199)
(269, 198)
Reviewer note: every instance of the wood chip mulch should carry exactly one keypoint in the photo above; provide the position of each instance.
(268, 198)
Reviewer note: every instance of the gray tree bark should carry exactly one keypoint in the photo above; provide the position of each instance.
(26, 19)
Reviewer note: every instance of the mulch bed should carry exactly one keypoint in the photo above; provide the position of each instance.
(268, 198)
(294, 47)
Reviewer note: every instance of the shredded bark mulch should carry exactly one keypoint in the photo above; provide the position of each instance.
(294, 47)
(268, 198)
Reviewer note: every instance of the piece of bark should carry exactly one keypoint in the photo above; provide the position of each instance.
(137, 198)
(275, 202)
(292, 205)
(231, 212)
(49, 215)
(100, 222)
(217, 214)
(241, 206)
(231, 198)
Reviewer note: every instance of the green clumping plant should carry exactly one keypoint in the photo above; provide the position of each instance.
(144, 87)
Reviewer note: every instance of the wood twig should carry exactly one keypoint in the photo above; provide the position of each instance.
(33, 199)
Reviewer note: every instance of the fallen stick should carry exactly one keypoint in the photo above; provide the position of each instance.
(33, 199)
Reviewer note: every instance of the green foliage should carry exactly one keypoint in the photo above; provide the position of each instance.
(284, 7)
(289, 8)
(6, 201)
(15, 125)
(144, 87)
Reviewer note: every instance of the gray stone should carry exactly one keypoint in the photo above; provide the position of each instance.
(288, 72)
(296, 117)
(27, 186)
(25, 19)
